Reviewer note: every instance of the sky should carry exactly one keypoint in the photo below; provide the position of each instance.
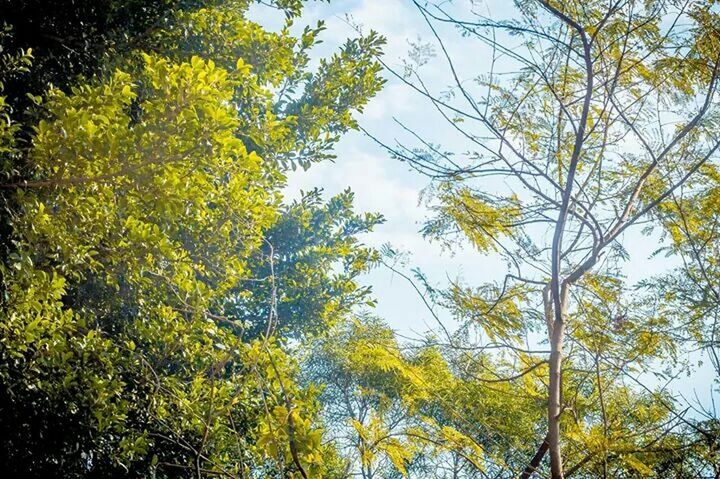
(385, 185)
(380, 183)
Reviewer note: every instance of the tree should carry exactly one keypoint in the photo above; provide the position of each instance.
(380, 401)
(73, 38)
(315, 258)
(149, 193)
(584, 124)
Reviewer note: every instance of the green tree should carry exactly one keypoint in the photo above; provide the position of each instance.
(305, 274)
(590, 116)
(143, 215)
(418, 410)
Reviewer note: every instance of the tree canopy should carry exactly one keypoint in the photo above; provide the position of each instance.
(169, 311)
(141, 222)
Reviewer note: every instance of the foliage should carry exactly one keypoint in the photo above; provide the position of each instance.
(589, 119)
(149, 196)
(400, 410)
(166, 313)
(76, 38)
(307, 269)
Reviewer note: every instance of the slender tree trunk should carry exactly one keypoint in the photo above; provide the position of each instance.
(554, 399)
(556, 332)
(542, 450)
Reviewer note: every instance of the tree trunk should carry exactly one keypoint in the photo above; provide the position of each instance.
(554, 399)
(556, 334)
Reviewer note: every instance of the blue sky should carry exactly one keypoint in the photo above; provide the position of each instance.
(382, 184)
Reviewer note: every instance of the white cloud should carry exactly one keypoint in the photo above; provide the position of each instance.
(380, 183)
(369, 176)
